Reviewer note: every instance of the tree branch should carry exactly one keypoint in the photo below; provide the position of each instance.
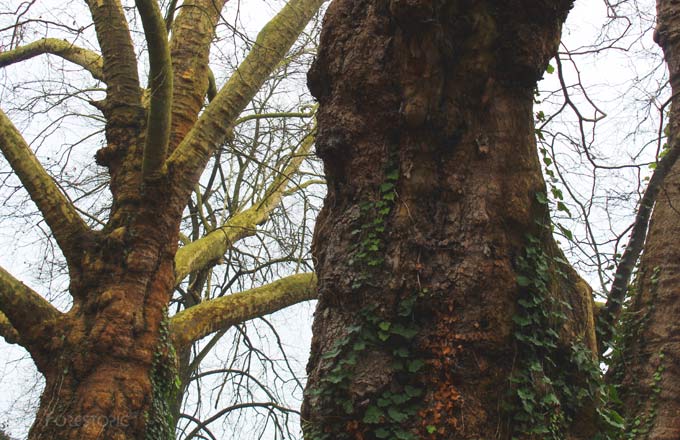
(612, 309)
(160, 86)
(7, 331)
(23, 312)
(198, 254)
(212, 128)
(87, 59)
(123, 93)
(61, 216)
(199, 321)
(192, 34)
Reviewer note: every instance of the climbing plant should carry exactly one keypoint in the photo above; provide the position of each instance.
(384, 414)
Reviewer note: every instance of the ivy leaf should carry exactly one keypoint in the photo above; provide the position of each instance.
(525, 394)
(412, 391)
(372, 414)
(414, 365)
(384, 326)
(541, 197)
(389, 196)
(382, 402)
(387, 186)
(398, 399)
(404, 435)
(331, 353)
(562, 207)
(612, 418)
(431, 429)
(401, 352)
(392, 175)
(523, 281)
(567, 233)
(405, 332)
(396, 414)
(521, 320)
(550, 69)
(382, 433)
(551, 399)
(347, 407)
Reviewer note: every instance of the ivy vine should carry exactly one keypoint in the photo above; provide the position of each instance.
(165, 384)
(384, 415)
(551, 383)
(631, 329)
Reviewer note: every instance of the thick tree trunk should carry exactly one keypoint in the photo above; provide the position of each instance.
(109, 365)
(435, 225)
(647, 364)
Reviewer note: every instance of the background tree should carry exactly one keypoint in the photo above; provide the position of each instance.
(109, 362)
(436, 260)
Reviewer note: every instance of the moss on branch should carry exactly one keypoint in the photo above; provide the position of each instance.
(160, 85)
(197, 322)
(211, 129)
(87, 59)
(23, 312)
(59, 213)
(200, 253)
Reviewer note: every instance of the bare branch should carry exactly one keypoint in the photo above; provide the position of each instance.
(87, 59)
(59, 213)
(199, 321)
(212, 127)
(123, 94)
(202, 252)
(160, 85)
(23, 312)
(192, 33)
(612, 309)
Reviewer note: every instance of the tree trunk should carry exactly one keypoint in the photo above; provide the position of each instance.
(438, 277)
(646, 365)
(110, 365)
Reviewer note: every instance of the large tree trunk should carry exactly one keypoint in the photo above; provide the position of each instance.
(109, 365)
(646, 364)
(435, 225)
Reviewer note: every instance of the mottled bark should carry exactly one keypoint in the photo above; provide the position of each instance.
(426, 132)
(66, 225)
(647, 360)
(98, 360)
(192, 33)
(203, 319)
(85, 58)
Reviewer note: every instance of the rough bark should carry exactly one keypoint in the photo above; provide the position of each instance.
(647, 361)
(101, 360)
(426, 132)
